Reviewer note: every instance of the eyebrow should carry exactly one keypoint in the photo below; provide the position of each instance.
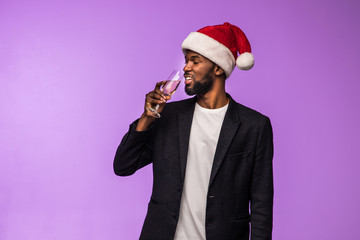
(193, 57)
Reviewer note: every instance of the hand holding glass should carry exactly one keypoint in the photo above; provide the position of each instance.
(168, 89)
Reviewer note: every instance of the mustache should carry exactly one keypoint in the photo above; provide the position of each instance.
(187, 74)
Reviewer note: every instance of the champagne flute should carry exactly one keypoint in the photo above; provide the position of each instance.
(168, 89)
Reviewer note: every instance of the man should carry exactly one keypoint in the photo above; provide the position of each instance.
(211, 156)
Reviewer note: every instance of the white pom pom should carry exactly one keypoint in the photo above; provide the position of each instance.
(245, 61)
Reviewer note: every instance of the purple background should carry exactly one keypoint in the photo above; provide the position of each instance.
(73, 75)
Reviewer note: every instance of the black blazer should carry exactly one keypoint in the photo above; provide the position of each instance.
(241, 173)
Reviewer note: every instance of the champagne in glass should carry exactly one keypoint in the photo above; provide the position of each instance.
(168, 89)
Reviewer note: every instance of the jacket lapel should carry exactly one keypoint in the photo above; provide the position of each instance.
(229, 127)
(185, 116)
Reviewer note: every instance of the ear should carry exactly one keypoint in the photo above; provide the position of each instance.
(218, 71)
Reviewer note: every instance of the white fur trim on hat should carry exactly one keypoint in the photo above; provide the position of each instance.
(211, 49)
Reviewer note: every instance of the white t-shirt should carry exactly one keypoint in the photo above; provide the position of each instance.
(204, 135)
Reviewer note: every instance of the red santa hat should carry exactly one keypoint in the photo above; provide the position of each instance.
(221, 44)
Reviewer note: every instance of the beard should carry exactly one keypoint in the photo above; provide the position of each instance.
(201, 87)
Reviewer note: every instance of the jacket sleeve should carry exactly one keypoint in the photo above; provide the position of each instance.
(262, 190)
(134, 151)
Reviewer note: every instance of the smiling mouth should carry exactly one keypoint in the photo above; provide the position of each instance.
(188, 80)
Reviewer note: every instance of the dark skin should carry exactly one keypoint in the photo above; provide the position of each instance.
(196, 69)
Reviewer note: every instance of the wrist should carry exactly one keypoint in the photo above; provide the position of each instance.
(144, 122)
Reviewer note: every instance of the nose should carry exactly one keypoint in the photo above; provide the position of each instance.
(187, 67)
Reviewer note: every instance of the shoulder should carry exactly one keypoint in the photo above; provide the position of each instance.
(250, 116)
(179, 105)
(182, 102)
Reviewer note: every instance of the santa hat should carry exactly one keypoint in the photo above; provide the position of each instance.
(220, 44)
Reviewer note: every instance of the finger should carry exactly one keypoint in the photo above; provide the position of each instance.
(157, 95)
(159, 84)
(154, 101)
(154, 98)
(158, 91)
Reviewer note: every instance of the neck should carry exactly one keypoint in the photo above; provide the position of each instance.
(215, 98)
